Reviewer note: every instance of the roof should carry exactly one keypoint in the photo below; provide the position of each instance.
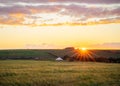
(59, 59)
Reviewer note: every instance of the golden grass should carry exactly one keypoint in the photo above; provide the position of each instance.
(50, 73)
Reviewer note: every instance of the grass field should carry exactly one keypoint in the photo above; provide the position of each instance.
(51, 73)
(43, 54)
(31, 54)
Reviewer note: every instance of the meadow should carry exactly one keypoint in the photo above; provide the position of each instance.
(52, 54)
(42, 54)
(52, 73)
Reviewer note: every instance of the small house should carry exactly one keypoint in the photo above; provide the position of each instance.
(59, 59)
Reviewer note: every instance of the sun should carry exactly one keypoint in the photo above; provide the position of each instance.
(83, 54)
(83, 49)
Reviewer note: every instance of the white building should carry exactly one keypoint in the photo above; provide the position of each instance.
(59, 59)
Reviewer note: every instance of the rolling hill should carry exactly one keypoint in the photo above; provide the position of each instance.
(52, 54)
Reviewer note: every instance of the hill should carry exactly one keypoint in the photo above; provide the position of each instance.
(51, 54)
(42, 54)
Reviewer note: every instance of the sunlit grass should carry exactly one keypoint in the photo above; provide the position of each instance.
(50, 73)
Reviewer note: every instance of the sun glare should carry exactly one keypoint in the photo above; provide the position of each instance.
(83, 49)
(84, 54)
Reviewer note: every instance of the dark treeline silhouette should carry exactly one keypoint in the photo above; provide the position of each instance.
(95, 59)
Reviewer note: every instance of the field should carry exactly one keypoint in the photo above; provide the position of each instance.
(42, 54)
(52, 73)
(52, 54)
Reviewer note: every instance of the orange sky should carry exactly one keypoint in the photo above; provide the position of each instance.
(94, 36)
(59, 23)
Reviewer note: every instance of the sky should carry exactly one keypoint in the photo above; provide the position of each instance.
(56, 24)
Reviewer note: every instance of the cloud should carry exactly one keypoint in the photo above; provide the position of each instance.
(74, 12)
(42, 46)
(107, 45)
(79, 1)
